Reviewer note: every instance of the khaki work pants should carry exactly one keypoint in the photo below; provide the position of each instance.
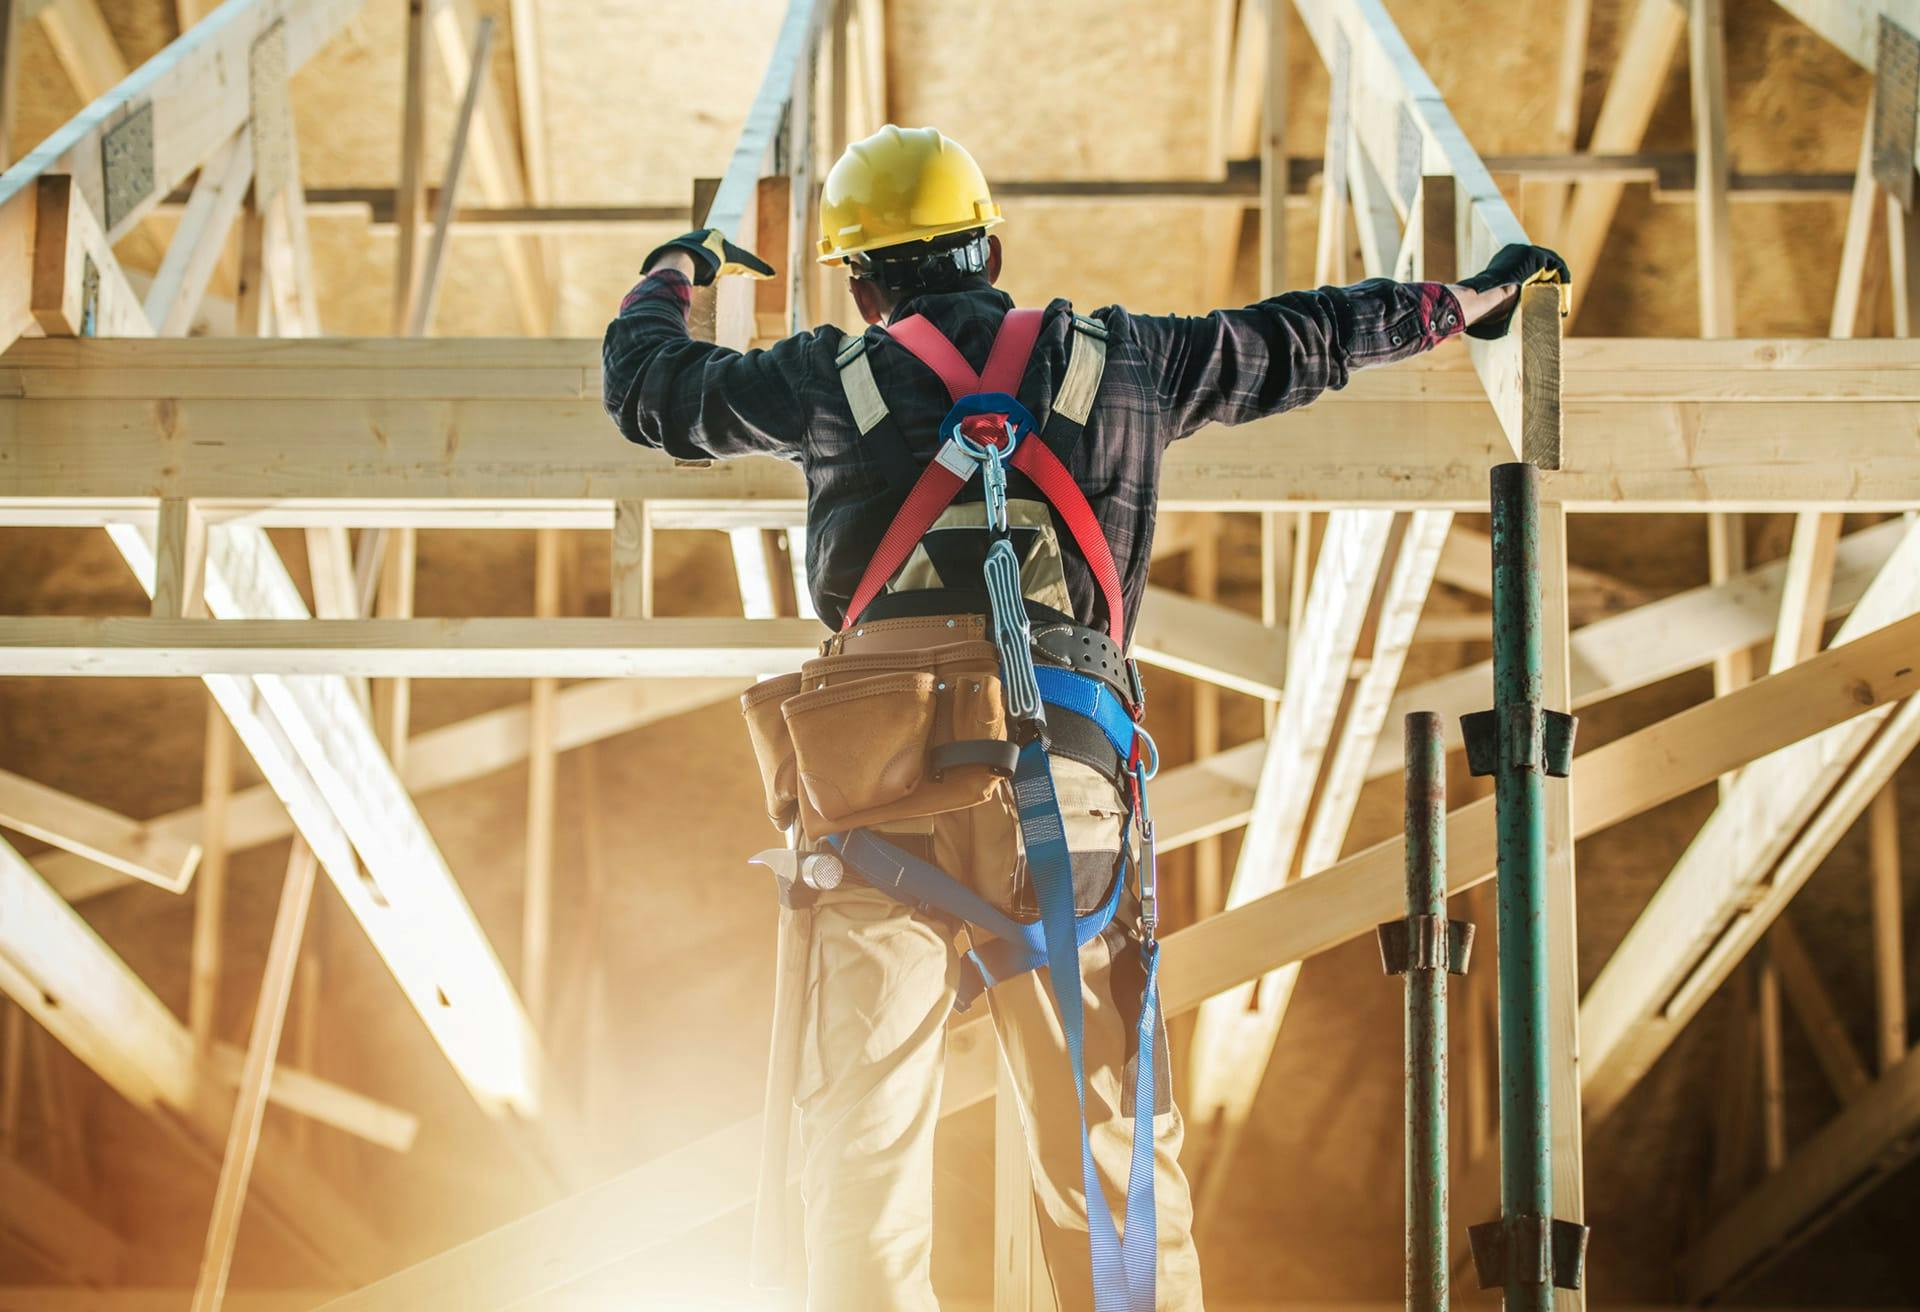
(880, 988)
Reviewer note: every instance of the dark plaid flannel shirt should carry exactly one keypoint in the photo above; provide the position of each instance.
(1166, 376)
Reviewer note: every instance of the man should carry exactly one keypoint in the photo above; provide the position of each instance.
(908, 213)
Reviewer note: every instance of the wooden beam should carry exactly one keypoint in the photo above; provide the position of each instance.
(453, 28)
(130, 847)
(409, 197)
(1402, 104)
(536, 918)
(317, 750)
(426, 298)
(11, 18)
(1546, 204)
(63, 975)
(1713, 241)
(201, 239)
(392, 699)
(406, 649)
(1210, 642)
(1273, 153)
(1628, 1012)
(1773, 1072)
(1843, 1162)
(194, 108)
(206, 955)
(524, 26)
(1651, 37)
(1709, 429)
(1231, 1038)
(1466, 562)
(1889, 958)
(1820, 1020)
(180, 561)
(250, 1107)
(77, 286)
(440, 758)
(706, 1178)
(326, 1103)
(85, 46)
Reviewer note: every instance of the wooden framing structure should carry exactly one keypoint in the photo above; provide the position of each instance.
(111, 418)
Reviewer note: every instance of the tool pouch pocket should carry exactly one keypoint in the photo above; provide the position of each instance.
(861, 745)
(879, 736)
(773, 744)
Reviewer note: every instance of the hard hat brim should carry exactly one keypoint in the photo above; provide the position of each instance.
(830, 253)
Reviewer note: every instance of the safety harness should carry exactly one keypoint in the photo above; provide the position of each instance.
(988, 431)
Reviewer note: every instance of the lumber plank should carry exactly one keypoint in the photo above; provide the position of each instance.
(426, 297)
(440, 758)
(317, 749)
(78, 286)
(1399, 94)
(198, 243)
(130, 847)
(1210, 642)
(1889, 955)
(367, 438)
(453, 26)
(194, 110)
(1652, 36)
(708, 1177)
(1820, 1019)
(256, 1074)
(1875, 1135)
(180, 561)
(1741, 843)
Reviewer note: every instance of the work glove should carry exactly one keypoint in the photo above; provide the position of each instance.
(713, 255)
(1516, 266)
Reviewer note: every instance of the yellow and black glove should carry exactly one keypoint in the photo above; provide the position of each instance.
(1516, 266)
(712, 255)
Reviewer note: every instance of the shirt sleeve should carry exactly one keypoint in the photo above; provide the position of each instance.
(693, 399)
(1232, 366)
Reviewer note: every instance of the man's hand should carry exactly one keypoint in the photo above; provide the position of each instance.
(704, 254)
(1494, 292)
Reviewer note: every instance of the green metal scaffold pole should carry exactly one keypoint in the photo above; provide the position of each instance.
(1519, 742)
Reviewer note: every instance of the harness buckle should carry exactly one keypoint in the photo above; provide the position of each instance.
(1149, 873)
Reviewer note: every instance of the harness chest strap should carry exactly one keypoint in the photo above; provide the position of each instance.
(1039, 457)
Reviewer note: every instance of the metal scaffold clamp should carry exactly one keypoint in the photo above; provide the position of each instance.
(1523, 735)
(1424, 943)
(1532, 1249)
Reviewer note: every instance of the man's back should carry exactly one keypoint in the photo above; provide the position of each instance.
(1165, 377)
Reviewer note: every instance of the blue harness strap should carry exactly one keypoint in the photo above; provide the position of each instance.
(1015, 948)
(1123, 1271)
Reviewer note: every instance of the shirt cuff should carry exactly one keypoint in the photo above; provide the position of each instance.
(673, 285)
(1438, 313)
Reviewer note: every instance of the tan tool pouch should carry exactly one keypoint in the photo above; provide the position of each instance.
(773, 745)
(853, 748)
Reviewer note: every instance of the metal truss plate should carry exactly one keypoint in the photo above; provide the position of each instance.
(271, 115)
(126, 164)
(1896, 102)
(1410, 150)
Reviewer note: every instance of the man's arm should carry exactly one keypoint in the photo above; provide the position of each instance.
(694, 399)
(1233, 366)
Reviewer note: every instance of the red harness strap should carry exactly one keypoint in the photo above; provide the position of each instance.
(942, 480)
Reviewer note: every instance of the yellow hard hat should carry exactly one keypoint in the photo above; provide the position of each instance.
(901, 185)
